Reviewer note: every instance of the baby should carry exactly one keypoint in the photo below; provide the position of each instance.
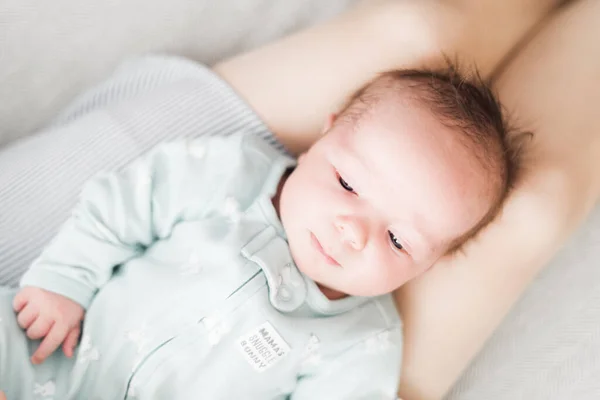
(219, 268)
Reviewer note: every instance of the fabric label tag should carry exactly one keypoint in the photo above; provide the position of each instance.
(263, 347)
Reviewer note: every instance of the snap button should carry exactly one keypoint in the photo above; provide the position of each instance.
(290, 274)
(284, 294)
(287, 289)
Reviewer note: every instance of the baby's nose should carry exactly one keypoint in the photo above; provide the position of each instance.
(352, 231)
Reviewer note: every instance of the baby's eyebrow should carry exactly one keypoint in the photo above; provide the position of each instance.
(362, 171)
(354, 155)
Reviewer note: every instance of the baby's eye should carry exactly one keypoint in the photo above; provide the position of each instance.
(345, 184)
(395, 241)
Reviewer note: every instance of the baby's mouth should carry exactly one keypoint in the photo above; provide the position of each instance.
(317, 245)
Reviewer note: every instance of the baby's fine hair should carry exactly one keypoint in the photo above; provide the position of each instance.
(468, 107)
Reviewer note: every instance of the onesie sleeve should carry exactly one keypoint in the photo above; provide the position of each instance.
(120, 214)
(368, 370)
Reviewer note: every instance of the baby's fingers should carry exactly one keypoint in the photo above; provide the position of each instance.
(27, 316)
(19, 301)
(50, 343)
(70, 342)
(39, 328)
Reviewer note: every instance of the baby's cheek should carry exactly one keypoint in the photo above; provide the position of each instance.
(398, 274)
(377, 281)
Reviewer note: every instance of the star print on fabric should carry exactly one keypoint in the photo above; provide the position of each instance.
(87, 352)
(312, 355)
(46, 390)
(192, 266)
(216, 328)
(132, 391)
(231, 208)
(140, 339)
(196, 149)
(379, 342)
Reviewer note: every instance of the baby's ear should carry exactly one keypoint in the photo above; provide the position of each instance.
(329, 123)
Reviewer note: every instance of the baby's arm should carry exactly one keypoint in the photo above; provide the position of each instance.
(119, 215)
(368, 370)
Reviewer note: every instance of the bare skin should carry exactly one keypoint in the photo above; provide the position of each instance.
(546, 83)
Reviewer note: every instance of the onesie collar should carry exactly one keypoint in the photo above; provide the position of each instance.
(289, 289)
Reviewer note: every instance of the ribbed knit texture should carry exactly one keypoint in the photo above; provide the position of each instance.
(146, 101)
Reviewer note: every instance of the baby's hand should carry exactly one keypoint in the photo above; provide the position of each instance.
(51, 316)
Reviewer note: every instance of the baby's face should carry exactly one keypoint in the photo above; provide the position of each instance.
(370, 208)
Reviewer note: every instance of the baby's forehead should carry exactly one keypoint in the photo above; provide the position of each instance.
(374, 100)
(407, 119)
(417, 125)
(414, 141)
(404, 119)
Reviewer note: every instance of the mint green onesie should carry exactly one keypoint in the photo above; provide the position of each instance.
(191, 293)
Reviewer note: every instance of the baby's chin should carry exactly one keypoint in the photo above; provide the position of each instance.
(336, 294)
(330, 291)
(331, 294)
(335, 291)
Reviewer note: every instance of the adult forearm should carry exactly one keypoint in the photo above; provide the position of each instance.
(297, 81)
